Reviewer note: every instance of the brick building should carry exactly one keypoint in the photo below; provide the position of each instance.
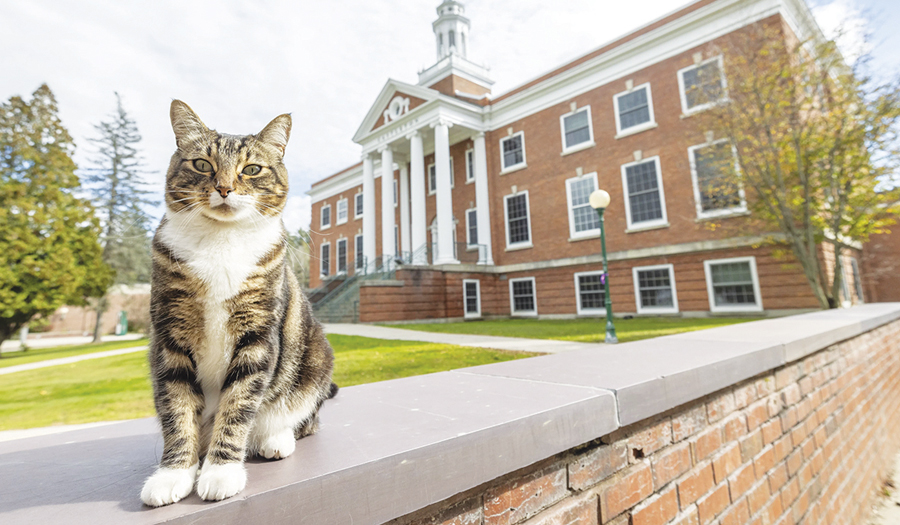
(478, 203)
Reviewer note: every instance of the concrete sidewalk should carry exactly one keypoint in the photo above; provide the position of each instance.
(13, 345)
(512, 344)
(69, 360)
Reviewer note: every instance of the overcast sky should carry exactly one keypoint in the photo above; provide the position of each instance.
(240, 63)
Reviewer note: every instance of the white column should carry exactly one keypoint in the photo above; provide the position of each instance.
(443, 196)
(482, 200)
(368, 211)
(404, 209)
(418, 224)
(387, 205)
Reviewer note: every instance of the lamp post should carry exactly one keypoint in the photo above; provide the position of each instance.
(599, 201)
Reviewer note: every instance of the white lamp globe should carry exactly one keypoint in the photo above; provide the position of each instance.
(599, 199)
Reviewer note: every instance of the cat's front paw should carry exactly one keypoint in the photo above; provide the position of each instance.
(168, 485)
(279, 445)
(218, 482)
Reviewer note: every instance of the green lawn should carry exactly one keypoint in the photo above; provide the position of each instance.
(55, 352)
(118, 387)
(581, 330)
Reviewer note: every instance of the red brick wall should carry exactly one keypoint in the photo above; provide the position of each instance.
(782, 287)
(806, 443)
(881, 267)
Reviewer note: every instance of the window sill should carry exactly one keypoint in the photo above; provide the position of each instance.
(724, 214)
(656, 311)
(700, 109)
(735, 309)
(358, 217)
(517, 247)
(512, 169)
(585, 237)
(470, 181)
(648, 227)
(524, 314)
(473, 248)
(342, 222)
(637, 129)
(324, 227)
(576, 149)
(472, 316)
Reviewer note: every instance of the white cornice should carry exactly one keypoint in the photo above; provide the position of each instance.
(456, 65)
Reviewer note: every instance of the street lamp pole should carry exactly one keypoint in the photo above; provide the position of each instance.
(599, 201)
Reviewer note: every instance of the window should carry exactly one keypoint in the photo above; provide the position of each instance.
(847, 299)
(358, 206)
(471, 227)
(583, 220)
(470, 165)
(733, 285)
(634, 110)
(577, 133)
(396, 240)
(342, 256)
(522, 297)
(590, 292)
(326, 216)
(472, 298)
(512, 149)
(342, 211)
(645, 202)
(358, 258)
(452, 38)
(654, 289)
(432, 177)
(702, 85)
(518, 225)
(717, 186)
(325, 259)
(857, 280)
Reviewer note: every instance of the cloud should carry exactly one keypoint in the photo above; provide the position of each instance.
(844, 21)
(297, 212)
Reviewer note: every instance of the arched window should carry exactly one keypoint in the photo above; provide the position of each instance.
(451, 40)
(462, 37)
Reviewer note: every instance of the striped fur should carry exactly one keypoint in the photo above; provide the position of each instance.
(239, 365)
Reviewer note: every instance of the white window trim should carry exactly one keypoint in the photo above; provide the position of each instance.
(711, 294)
(322, 224)
(517, 245)
(432, 191)
(346, 211)
(356, 214)
(358, 257)
(857, 283)
(466, 314)
(637, 291)
(696, 109)
(572, 233)
(846, 291)
(468, 239)
(512, 304)
(515, 167)
(396, 194)
(337, 251)
(322, 258)
(661, 222)
(578, 308)
(698, 203)
(562, 129)
(468, 166)
(650, 124)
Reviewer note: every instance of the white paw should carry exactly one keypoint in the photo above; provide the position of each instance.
(278, 445)
(218, 482)
(168, 485)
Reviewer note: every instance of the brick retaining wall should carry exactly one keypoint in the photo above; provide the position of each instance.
(806, 443)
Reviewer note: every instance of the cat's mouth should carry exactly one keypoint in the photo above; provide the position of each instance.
(227, 209)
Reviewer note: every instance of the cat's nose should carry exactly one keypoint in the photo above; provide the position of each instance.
(224, 190)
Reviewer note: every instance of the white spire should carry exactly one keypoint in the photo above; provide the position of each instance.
(451, 29)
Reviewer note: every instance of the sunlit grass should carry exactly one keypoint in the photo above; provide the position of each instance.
(41, 354)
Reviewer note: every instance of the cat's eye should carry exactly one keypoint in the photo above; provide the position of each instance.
(251, 170)
(203, 166)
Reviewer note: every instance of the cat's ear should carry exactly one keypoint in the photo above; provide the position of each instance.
(277, 132)
(185, 123)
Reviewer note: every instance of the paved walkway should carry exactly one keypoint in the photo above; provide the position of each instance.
(69, 360)
(887, 507)
(13, 345)
(513, 344)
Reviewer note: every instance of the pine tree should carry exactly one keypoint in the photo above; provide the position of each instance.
(118, 191)
(49, 250)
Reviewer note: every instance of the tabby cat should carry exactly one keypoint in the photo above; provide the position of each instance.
(238, 363)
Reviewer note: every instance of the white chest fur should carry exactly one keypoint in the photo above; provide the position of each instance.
(222, 255)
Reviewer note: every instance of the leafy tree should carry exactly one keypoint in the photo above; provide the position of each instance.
(49, 252)
(815, 142)
(115, 183)
(298, 256)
